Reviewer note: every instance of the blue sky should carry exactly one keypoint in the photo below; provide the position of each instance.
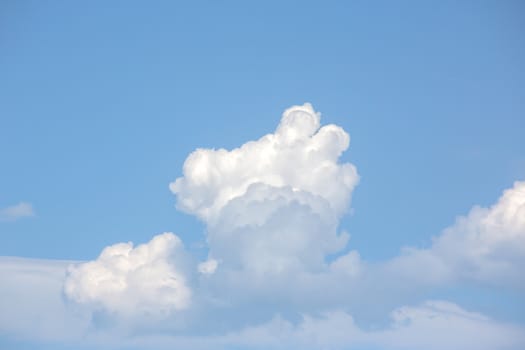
(101, 103)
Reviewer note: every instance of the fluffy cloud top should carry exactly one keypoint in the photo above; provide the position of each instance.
(272, 205)
(489, 240)
(299, 155)
(147, 279)
(487, 246)
(17, 211)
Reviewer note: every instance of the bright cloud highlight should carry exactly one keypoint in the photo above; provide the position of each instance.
(147, 279)
(300, 156)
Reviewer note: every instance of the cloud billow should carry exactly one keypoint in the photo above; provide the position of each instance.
(300, 155)
(272, 209)
(127, 280)
(271, 206)
(486, 246)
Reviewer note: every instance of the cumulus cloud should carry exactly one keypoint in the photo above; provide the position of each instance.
(275, 231)
(16, 212)
(300, 156)
(147, 279)
(487, 246)
(272, 205)
(272, 209)
(489, 243)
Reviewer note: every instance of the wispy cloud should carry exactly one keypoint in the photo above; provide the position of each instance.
(17, 212)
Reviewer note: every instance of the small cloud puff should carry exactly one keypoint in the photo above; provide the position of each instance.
(208, 267)
(16, 212)
(126, 280)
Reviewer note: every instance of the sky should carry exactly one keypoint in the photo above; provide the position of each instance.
(326, 175)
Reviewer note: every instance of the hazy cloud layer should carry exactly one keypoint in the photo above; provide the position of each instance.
(432, 325)
(32, 304)
(44, 317)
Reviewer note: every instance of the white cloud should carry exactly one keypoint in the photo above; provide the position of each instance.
(487, 246)
(300, 156)
(272, 205)
(208, 267)
(445, 325)
(16, 212)
(275, 231)
(489, 243)
(147, 279)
